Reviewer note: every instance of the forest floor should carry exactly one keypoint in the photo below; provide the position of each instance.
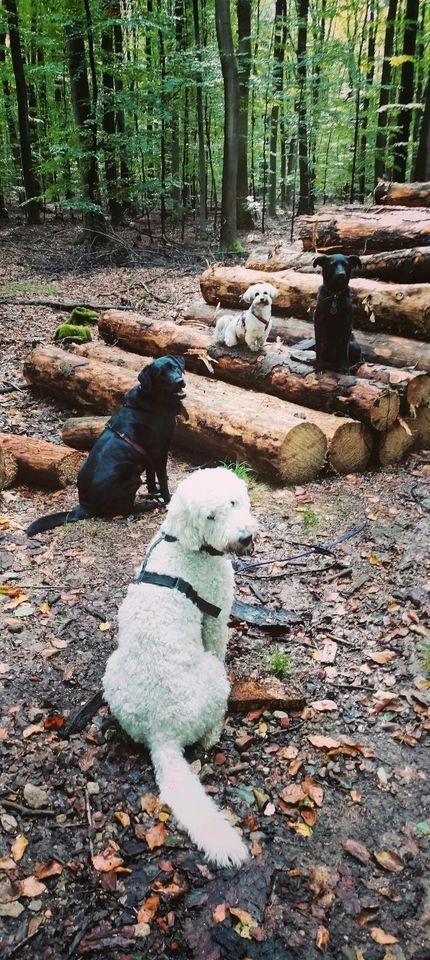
(333, 801)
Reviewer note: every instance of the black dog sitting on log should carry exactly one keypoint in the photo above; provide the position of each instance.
(136, 438)
(335, 345)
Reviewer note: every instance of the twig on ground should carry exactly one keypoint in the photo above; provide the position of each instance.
(27, 811)
(58, 305)
(89, 818)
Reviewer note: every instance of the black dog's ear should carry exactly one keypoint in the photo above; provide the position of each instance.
(320, 261)
(355, 262)
(145, 380)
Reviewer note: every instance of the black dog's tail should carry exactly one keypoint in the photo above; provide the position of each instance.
(57, 520)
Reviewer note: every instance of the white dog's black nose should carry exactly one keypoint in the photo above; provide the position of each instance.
(245, 539)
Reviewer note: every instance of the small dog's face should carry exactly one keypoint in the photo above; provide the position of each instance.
(163, 378)
(211, 509)
(261, 294)
(336, 270)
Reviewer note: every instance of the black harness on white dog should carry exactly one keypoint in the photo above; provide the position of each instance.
(177, 583)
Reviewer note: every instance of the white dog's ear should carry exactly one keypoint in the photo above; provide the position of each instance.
(273, 292)
(249, 294)
(184, 520)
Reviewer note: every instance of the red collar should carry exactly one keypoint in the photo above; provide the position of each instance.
(260, 319)
(130, 442)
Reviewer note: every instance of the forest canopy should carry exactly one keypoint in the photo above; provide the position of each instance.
(167, 108)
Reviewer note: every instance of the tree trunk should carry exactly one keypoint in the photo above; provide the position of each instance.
(275, 372)
(406, 92)
(201, 228)
(357, 108)
(391, 308)
(377, 347)
(228, 234)
(384, 95)
(403, 195)
(349, 443)
(124, 150)
(278, 76)
(364, 230)
(109, 125)
(94, 221)
(305, 204)
(223, 420)
(32, 188)
(244, 57)
(422, 160)
(41, 463)
(401, 266)
(372, 28)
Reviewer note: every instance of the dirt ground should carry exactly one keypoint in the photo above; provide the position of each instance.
(333, 801)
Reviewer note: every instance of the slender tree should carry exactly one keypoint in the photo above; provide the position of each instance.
(278, 77)
(422, 160)
(201, 229)
(94, 222)
(109, 124)
(406, 92)
(228, 234)
(385, 90)
(371, 40)
(305, 204)
(31, 185)
(244, 58)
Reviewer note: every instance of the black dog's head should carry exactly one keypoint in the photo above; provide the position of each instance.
(163, 379)
(336, 270)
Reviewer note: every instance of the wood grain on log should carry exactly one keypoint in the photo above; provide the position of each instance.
(395, 443)
(41, 463)
(402, 194)
(272, 371)
(223, 421)
(377, 347)
(349, 442)
(401, 266)
(376, 306)
(364, 229)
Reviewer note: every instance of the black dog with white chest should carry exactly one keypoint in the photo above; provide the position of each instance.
(136, 438)
(335, 345)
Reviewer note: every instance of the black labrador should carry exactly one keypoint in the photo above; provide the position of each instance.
(137, 437)
(335, 345)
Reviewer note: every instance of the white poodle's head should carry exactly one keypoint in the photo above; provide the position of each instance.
(211, 509)
(261, 294)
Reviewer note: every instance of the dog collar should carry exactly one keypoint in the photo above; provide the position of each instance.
(177, 583)
(131, 443)
(334, 297)
(242, 319)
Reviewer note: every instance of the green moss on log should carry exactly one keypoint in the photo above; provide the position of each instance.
(69, 331)
(83, 315)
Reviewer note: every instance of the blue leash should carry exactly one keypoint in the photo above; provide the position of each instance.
(307, 553)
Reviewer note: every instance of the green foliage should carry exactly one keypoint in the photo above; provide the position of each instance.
(81, 315)
(281, 663)
(426, 657)
(10, 289)
(242, 470)
(69, 331)
(310, 519)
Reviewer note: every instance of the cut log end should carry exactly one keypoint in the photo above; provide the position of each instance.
(384, 411)
(11, 468)
(418, 392)
(395, 443)
(351, 448)
(303, 453)
(38, 462)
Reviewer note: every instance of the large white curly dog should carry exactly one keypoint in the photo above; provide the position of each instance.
(253, 325)
(166, 683)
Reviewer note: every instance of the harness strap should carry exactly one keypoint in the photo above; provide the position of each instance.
(176, 583)
(242, 320)
(123, 436)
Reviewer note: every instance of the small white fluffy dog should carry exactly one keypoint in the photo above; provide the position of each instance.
(166, 682)
(253, 325)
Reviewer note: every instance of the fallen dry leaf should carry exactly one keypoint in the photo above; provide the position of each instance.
(123, 818)
(220, 913)
(149, 803)
(368, 913)
(107, 861)
(324, 705)
(148, 909)
(357, 850)
(51, 869)
(379, 936)
(293, 793)
(30, 887)
(356, 796)
(156, 836)
(18, 847)
(301, 828)
(390, 861)
(324, 743)
(384, 656)
(315, 792)
(322, 938)
(242, 915)
(31, 730)
(6, 863)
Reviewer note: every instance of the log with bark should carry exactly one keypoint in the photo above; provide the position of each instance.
(376, 306)
(377, 347)
(349, 442)
(40, 463)
(402, 194)
(274, 438)
(2, 468)
(400, 266)
(272, 371)
(365, 229)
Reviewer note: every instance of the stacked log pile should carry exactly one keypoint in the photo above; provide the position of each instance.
(271, 409)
